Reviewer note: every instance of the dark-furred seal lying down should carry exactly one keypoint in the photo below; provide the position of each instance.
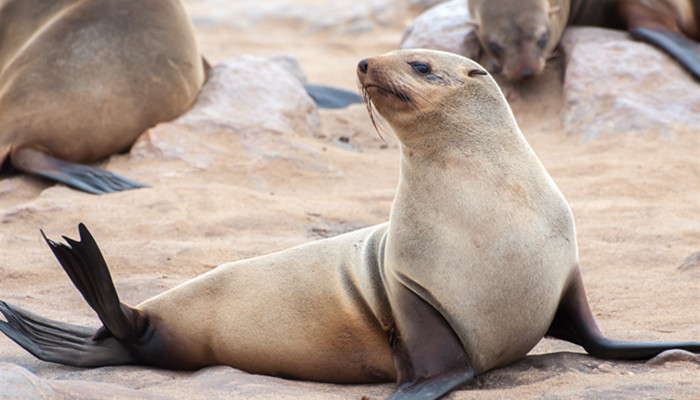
(477, 263)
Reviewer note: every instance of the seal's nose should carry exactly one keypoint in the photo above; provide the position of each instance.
(362, 66)
(528, 73)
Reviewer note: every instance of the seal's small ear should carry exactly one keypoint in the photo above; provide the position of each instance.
(474, 23)
(474, 72)
(554, 10)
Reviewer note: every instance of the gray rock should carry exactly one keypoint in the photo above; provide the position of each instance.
(253, 94)
(675, 355)
(289, 63)
(251, 111)
(613, 84)
(442, 27)
(18, 383)
(692, 261)
(616, 85)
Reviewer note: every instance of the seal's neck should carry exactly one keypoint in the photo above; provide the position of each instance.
(452, 141)
(466, 180)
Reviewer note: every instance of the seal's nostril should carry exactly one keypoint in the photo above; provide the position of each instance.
(528, 73)
(362, 66)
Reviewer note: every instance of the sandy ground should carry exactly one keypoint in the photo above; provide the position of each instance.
(636, 200)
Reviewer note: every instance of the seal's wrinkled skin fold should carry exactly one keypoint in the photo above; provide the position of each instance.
(477, 263)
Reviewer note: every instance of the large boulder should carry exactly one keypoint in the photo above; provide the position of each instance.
(442, 27)
(614, 84)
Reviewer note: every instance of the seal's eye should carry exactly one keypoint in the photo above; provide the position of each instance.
(476, 72)
(421, 68)
(494, 49)
(542, 42)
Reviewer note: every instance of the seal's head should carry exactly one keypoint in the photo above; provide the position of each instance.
(426, 91)
(517, 36)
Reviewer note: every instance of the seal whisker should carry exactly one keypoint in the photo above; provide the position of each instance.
(370, 108)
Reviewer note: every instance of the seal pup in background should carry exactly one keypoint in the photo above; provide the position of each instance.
(519, 36)
(477, 263)
(82, 79)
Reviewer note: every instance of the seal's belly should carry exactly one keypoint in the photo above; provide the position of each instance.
(498, 288)
(299, 313)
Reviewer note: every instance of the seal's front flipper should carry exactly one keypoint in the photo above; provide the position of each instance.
(330, 97)
(79, 176)
(433, 388)
(574, 322)
(59, 342)
(429, 357)
(84, 264)
(686, 51)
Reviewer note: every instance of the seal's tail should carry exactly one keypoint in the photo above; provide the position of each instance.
(71, 344)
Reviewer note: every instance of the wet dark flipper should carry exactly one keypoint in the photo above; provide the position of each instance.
(330, 97)
(78, 176)
(685, 50)
(433, 388)
(55, 341)
(60, 342)
(574, 322)
(84, 264)
(429, 357)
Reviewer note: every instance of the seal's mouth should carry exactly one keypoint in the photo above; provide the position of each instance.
(400, 90)
(393, 91)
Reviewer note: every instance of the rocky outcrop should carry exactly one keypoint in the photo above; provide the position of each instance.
(612, 83)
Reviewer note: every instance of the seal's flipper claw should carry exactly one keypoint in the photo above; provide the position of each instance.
(430, 359)
(686, 51)
(78, 176)
(87, 269)
(60, 342)
(330, 97)
(574, 323)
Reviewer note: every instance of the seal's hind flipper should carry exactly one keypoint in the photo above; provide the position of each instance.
(330, 97)
(79, 176)
(59, 342)
(84, 264)
(574, 323)
(686, 51)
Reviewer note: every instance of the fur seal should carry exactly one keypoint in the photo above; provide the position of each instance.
(519, 36)
(81, 79)
(427, 299)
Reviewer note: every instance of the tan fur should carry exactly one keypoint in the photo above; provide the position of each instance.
(314, 312)
(526, 31)
(81, 79)
(515, 26)
(674, 15)
(477, 224)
